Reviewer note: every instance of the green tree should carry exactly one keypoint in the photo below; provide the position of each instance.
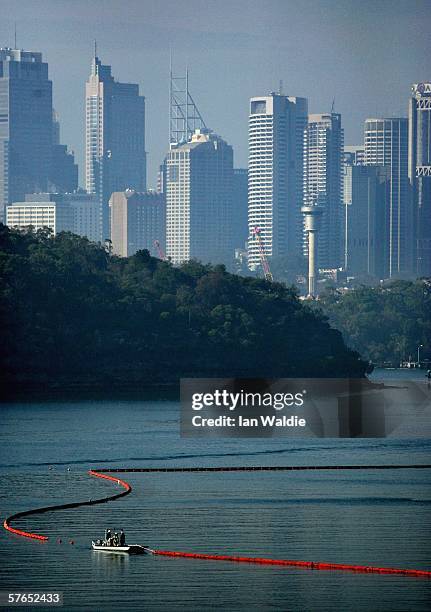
(387, 323)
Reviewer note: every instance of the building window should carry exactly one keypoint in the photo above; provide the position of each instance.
(174, 172)
(258, 107)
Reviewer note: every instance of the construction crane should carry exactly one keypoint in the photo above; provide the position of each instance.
(160, 251)
(263, 259)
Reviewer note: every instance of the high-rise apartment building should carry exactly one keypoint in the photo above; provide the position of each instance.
(366, 194)
(199, 178)
(114, 138)
(25, 125)
(386, 144)
(138, 221)
(323, 183)
(275, 193)
(419, 169)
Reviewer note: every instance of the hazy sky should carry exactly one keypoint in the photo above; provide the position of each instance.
(363, 53)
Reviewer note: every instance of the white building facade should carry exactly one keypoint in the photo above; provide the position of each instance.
(323, 183)
(275, 188)
(39, 215)
(62, 212)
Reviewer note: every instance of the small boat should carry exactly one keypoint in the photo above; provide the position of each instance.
(131, 549)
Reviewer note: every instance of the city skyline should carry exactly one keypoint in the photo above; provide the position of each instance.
(219, 42)
(295, 159)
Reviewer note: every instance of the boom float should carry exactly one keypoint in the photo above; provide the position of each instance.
(302, 564)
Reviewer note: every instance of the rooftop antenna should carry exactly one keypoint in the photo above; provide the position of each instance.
(15, 36)
(280, 87)
(170, 96)
(333, 106)
(95, 48)
(184, 115)
(187, 96)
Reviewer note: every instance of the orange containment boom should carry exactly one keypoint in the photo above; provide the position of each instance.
(25, 534)
(303, 564)
(91, 502)
(123, 483)
(259, 560)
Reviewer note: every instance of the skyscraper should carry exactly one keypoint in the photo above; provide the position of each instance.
(25, 124)
(419, 169)
(137, 221)
(323, 183)
(366, 195)
(275, 194)
(114, 138)
(386, 145)
(199, 200)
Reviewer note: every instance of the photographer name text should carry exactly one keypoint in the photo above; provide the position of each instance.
(241, 421)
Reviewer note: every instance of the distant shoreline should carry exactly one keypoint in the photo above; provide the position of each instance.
(89, 391)
(65, 391)
(102, 390)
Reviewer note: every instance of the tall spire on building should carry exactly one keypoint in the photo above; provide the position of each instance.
(95, 61)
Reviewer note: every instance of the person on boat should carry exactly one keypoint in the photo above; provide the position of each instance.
(108, 535)
(116, 539)
(122, 538)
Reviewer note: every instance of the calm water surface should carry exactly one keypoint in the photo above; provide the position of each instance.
(364, 517)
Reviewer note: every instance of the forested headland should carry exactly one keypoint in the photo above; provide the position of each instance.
(386, 324)
(74, 314)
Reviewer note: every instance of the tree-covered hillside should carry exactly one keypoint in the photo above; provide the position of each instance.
(386, 324)
(71, 312)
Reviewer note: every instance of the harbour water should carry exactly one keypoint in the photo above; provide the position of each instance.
(365, 517)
